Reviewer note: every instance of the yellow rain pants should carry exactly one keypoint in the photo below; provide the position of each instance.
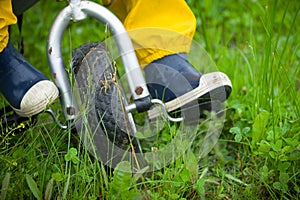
(6, 18)
(157, 27)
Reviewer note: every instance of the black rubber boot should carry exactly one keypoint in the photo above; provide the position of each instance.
(26, 89)
(171, 76)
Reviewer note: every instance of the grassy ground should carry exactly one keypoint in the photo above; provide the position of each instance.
(257, 156)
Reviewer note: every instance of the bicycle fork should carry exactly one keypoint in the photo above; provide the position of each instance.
(79, 10)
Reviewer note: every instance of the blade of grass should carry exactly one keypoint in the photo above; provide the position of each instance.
(5, 185)
(33, 187)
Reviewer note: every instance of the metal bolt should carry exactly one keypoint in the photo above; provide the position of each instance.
(50, 50)
(70, 110)
(139, 90)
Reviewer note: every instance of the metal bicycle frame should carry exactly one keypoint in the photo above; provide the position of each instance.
(79, 10)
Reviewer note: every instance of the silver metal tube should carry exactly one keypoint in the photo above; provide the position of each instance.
(56, 62)
(132, 68)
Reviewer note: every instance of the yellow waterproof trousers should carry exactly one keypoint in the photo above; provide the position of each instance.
(6, 18)
(156, 27)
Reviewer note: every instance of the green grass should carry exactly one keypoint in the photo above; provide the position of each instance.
(257, 156)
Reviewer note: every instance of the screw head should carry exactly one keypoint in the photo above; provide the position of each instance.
(139, 90)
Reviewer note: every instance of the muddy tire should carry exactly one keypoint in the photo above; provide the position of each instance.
(96, 77)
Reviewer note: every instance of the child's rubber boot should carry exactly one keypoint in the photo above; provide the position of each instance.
(173, 80)
(26, 89)
(171, 76)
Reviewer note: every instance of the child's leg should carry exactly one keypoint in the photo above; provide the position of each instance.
(27, 90)
(6, 18)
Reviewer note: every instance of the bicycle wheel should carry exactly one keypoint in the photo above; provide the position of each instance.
(111, 128)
